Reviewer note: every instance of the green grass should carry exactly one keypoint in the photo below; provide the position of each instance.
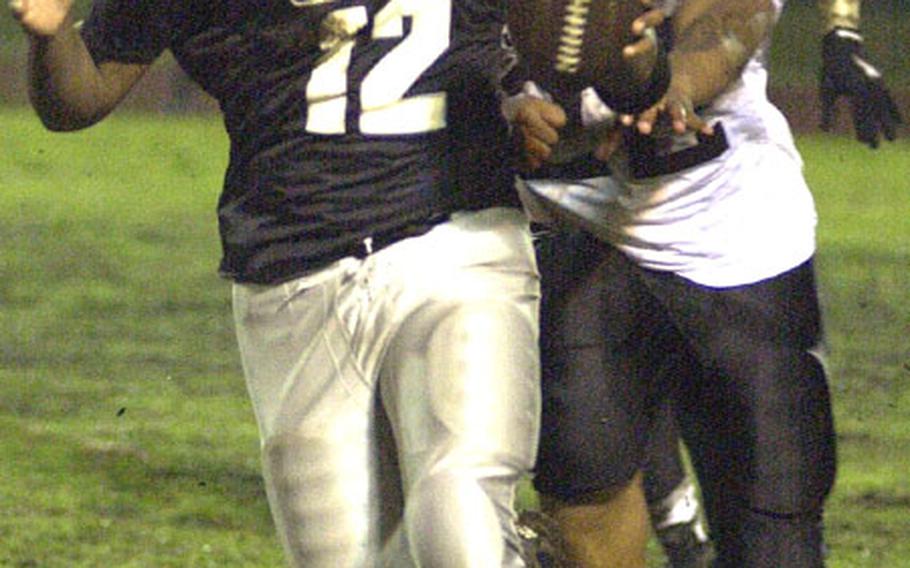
(125, 432)
(864, 240)
(126, 436)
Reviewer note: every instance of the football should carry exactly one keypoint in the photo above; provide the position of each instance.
(567, 45)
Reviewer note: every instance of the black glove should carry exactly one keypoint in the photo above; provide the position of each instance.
(845, 72)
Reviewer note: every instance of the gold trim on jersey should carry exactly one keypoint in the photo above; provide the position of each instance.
(840, 13)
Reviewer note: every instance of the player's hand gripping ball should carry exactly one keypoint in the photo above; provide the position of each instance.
(568, 45)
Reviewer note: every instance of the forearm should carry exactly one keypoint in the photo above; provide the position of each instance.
(840, 13)
(713, 40)
(66, 88)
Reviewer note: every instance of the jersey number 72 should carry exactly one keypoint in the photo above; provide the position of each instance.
(384, 108)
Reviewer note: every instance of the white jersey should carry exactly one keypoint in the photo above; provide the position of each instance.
(743, 216)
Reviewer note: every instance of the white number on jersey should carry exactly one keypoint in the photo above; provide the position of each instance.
(384, 108)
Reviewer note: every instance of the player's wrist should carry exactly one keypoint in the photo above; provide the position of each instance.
(695, 82)
(653, 88)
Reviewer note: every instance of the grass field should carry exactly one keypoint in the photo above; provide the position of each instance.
(126, 438)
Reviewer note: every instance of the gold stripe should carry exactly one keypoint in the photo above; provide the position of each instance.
(843, 13)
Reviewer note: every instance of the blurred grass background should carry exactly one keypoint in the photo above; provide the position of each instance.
(125, 435)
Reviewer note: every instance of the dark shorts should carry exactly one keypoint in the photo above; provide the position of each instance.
(739, 364)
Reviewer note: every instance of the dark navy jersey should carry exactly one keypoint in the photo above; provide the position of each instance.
(348, 119)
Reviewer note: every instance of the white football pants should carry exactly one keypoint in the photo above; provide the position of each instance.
(397, 397)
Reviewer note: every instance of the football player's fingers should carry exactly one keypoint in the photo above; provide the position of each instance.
(641, 48)
(888, 116)
(540, 120)
(641, 59)
(677, 114)
(553, 114)
(889, 130)
(644, 125)
(895, 112)
(890, 108)
(541, 113)
(645, 121)
(543, 132)
(890, 127)
(867, 134)
(536, 149)
(650, 19)
(526, 161)
(864, 125)
(689, 121)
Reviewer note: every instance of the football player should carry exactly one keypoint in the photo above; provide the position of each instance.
(385, 291)
(686, 274)
(669, 492)
(847, 72)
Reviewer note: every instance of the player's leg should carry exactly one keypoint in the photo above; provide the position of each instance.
(604, 529)
(460, 382)
(597, 348)
(664, 469)
(316, 412)
(759, 427)
(671, 495)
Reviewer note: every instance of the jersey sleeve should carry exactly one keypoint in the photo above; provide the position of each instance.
(127, 31)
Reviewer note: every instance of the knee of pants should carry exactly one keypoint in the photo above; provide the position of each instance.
(457, 518)
(805, 491)
(321, 505)
(774, 453)
(584, 454)
(799, 486)
(799, 467)
(585, 482)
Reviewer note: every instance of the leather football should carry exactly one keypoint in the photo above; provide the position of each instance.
(568, 45)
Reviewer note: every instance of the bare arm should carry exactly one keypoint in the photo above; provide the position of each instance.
(66, 88)
(714, 39)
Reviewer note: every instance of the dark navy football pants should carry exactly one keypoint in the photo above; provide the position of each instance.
(741, 367)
